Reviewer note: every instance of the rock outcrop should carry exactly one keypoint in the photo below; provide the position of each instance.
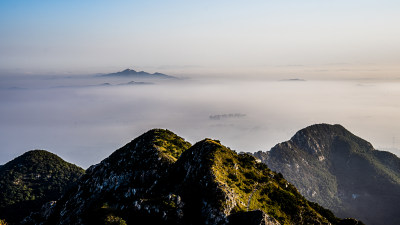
(340, 171)
(159, 178)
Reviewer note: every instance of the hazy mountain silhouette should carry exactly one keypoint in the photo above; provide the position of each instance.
(129, 73)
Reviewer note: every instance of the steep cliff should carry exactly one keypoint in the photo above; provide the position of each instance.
(342, 172)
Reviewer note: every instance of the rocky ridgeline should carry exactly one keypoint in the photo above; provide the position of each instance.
(340, 171)
(159, 178)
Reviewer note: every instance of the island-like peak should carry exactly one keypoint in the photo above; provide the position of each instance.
(130, 73)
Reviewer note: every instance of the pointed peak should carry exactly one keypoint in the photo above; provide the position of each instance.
(206, 146)
(209, 141)
(128, 70)
(166, 141)
(155, 142)
(159, 132)
(204, 153)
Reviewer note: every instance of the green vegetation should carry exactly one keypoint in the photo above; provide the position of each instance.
(258, 188)
(340, 171)
(114, 220)
(32, 179)
(105, 214)
(169, 143)
(158, 178)
(133, 176)
(168, 146)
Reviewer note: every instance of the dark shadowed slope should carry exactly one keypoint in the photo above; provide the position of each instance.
(340, 171)
(32, 179)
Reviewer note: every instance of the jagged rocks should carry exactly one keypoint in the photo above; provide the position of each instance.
(159, 178)
(333, 167)
(43, 215)
(126, 184)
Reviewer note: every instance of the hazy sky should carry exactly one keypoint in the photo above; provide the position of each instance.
(331, 44)
(201, 37)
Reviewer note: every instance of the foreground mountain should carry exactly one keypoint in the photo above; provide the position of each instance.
(340, 171)
(32, 179)
(159, 178)
(128, 73)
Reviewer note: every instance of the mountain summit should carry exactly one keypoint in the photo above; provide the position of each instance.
(32, 179)
(342, 172)
(159, 178)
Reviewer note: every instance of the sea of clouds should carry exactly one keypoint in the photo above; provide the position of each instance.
(83, 121)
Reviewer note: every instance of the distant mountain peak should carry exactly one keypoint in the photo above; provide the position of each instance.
(141, 74)
(128, 70)
(341, 171)
(316, 138)
(321, 129)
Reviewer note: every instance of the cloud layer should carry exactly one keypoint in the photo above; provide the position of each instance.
(85, 123)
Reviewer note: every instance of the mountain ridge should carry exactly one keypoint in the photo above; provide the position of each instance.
(130, 73)
(159, 178)
(342, 172)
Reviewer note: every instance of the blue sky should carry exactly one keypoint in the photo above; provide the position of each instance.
(59, 37)
(315, 40)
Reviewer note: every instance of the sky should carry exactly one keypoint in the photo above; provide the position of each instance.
(279, 65)
(311, 37)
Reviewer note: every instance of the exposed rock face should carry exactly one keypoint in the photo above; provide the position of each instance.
(127, 183)
(159, 178)
(44, 214)
(216, 183)
(32, 179)
(340, 171)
